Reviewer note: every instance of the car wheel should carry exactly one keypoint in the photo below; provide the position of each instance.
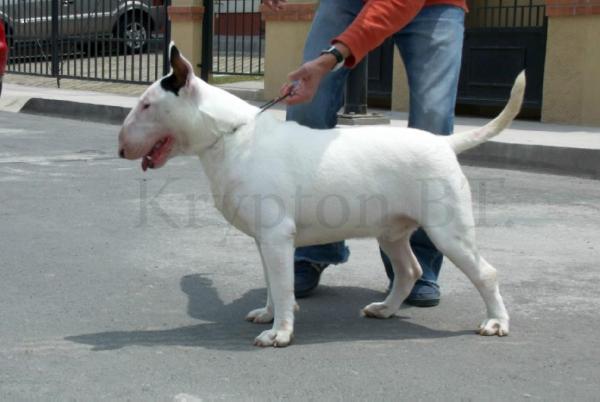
(133, 33)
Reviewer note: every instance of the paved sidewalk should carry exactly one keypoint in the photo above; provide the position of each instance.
(32, 81)
(529, 145)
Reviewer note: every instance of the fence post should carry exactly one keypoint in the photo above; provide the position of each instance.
(356, 89)
(55, 60)
(206, 63)
(355, 108)
(167, 40)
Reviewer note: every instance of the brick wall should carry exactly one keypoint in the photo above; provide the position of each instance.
(291, 12)
(564, 8)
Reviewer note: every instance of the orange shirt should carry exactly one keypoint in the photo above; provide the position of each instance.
(379, 19)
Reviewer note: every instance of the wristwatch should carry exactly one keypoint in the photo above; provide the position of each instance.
(338, 57)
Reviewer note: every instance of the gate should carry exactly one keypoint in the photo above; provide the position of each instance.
(108, 40)
(501, 39)
(234, 33)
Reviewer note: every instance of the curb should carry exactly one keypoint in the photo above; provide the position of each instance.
(246, 94)
(580, 162)
(77, 111)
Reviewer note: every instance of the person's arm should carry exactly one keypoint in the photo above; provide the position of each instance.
(377, 21)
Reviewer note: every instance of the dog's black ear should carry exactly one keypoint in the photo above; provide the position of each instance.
(181, 71)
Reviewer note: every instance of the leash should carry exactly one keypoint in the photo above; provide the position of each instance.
(275, 101)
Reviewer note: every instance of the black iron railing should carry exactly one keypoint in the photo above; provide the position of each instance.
(238, 37)
(507, 14)
(108, 40)
(502, 38)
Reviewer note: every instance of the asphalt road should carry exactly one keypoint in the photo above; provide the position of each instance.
(120, 285)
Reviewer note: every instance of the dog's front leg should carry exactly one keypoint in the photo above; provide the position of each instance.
(277, 256)
(262, 315)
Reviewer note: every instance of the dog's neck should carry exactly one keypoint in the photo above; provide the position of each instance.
(219, 114)
(224, 160)
(222, 128)
(219, 160)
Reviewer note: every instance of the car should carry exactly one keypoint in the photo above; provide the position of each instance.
(3, 53)
(133, 22)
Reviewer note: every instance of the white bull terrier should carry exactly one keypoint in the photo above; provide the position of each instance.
(287, 186)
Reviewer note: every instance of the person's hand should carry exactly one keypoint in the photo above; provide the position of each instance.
(305, 80)
(275, 5)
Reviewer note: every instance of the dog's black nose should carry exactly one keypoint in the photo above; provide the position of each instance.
(122, 153)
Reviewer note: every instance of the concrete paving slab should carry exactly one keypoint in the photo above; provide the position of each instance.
(247, 90)
(12, 91)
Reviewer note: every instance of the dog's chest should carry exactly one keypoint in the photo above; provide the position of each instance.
(232, 197)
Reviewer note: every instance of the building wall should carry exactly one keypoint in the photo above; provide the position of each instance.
(572, 69)
(572, 76)
(285, 34)
(186, 29)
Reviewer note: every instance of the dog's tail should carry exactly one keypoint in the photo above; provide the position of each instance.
(462, 141)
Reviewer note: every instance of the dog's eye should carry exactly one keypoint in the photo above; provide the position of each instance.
(145, 106)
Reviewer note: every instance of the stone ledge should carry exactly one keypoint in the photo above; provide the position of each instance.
(568, 8)
(185, 13)
(290, 12)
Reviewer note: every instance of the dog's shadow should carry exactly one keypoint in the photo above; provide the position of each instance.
(326, 317)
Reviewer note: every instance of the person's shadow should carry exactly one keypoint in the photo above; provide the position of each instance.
(331, 315)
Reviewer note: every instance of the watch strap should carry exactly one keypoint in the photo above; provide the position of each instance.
(338, 57)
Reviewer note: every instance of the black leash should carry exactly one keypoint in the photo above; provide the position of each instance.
(275, 101)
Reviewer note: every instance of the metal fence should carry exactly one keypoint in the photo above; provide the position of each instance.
(502, 38)
(237, 37)
(507, 14)
(109, 40)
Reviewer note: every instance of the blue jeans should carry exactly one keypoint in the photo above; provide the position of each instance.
(431, 48)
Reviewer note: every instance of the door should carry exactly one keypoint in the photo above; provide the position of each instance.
(500, 41)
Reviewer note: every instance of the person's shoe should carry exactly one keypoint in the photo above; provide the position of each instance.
(306, 277)
(424, 294)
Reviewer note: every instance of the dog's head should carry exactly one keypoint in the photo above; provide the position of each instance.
(179, 114)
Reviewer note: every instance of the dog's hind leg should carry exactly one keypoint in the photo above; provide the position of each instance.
(457, 242)
(277, 253)
(406, 271)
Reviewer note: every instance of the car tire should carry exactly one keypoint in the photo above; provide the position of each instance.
(133, 32)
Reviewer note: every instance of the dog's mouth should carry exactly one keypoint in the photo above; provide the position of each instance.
(159, 153)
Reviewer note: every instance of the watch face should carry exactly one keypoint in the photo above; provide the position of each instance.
(338, 55)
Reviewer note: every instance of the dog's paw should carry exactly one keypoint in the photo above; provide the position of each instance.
(494, 326)
(275, 338)
(377, 310)
(260, 316)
